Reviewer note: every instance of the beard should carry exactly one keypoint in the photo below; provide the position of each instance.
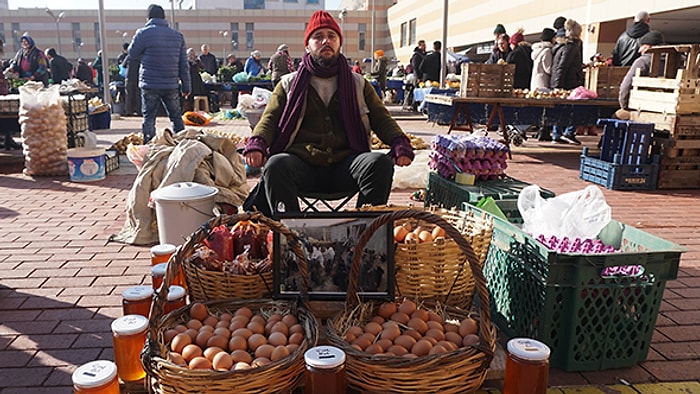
(325, 62)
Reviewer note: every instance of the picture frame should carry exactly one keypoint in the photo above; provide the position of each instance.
(332, 236)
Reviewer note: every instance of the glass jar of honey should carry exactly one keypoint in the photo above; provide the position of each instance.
(325, 370)
(527, 367)
(158, 275)
(176, 299)
(128, 338)
(161, 253)
(136, 300)
(96, 377)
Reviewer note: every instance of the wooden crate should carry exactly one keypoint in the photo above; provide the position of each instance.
(605, 81)
(487, 80)
(673, 123)
(679, 167)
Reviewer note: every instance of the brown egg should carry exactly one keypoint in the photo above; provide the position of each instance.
(260, 361)
(242, 332)
(432, 340)
(177, 359)
(280, 326)
(355, 330)
(296, 328)
(289, 320)
(437, 349)
(411, 238)
(222, 324)
(210, 352)
(203, 337)
(259, 319)
(179, 342)
(451, 327)
(349, 338)
(279, 353)
(448, 345)
(405, 341)
(237, 343)
(454, 338)
(222, 361)
(225, 317)
(198, 311)
(244, 312)
(409, 355)
(241, 356)
(181, 328)
(397, 350)
(192, 332)
(400, 233)
(413, 333)
(407, 226)
(195, 324)
(390, 324)
(432, 316)
(418, 324)
(275, 317)
(387, 309)
(374, 349)
(468, 326)
(384, 343)
(255, 341)
(373, 328)
(207, 328)
(390, 333)
(169, 334)
(470, 340)
(277, 339)
(422, 347)
(400, 317)
(424, 236)
(377, 319)
(357, 347)
(218, 341)
(191, 351)
(210, 321)
(417, 230)
(292, 348)
(238, 322)
(223, 331)
(368, 335)
(296, 338)
(436, 325)
(239, 366)
(420, 314)
(362, 342)
(435, 333)
(256, 327)
(438, 232)
(407, 307)
(199, 363)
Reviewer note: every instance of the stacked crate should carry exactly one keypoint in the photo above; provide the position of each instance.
(487, 80)
(76, 109)
(605, 81)
(672, 103)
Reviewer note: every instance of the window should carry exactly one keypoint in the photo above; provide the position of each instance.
(412, 32)
(2, 38)
(361, 36)
(311, 1)
(96, 29)
(249, 37)
(77, 41)
(253, 4)
(16, 34)
(404, 34)
(234, 36)
(290, 1)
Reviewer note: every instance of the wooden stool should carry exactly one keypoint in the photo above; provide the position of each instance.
(201, 103)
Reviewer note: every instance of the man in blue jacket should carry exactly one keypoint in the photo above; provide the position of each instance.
(164, 71)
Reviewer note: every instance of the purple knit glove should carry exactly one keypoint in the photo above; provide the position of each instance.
(401, 146)
(256, 143)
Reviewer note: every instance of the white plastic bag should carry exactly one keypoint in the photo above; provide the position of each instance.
(580, 214)
(261, 95)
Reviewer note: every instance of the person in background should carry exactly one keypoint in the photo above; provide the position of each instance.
(30, 62)
(626, 49)
(542, 61)
(124, 54)
(209, 60)
(379, 69)
(8, 142)
(567, 73)
(497, 32)
(417, 59)
(83, 72)
(234, 62)
(314, 133)
(500, 51)
(357, 68)
(253, 66)
(558, 26)
(521, 56)
(431, 66)
(132, 105)
(97, 66)
(280, 64)
(642, 63)
(59, 67)
(196, 66)
(164, 74)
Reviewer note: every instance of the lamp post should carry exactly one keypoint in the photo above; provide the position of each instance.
(57, 18)
(123, 34)
(224, 33)
(342, 15)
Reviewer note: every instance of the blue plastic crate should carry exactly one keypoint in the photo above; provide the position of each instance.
(99, 121)
(616, 176)
(631, 140)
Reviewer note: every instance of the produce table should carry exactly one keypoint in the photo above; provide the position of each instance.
(218, 89)
(511, 110)
(397, 85)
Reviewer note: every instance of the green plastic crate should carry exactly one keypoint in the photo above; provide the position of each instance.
(509, 208)
(589, 322)
(449, 194)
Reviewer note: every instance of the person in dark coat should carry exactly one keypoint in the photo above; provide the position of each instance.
(567, 73)
(59, 67)
(521, 56)
(208, 60)
(132, 106)
(196, 67)
(431, 67)
(417, 58)
(626, 49)
(500, 50)
(558, 25)
(83, 72)
(643, 63)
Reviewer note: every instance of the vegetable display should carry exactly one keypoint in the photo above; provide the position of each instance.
(481, 156)
(243, 250)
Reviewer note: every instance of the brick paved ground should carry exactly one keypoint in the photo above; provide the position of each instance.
(60, 280)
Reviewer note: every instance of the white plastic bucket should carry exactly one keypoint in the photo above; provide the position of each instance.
(181, 208)
(86, 165)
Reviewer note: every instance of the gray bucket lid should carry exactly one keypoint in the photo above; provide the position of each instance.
(183, 191)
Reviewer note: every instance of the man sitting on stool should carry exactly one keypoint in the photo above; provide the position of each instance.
(643, 63)
(314, 136)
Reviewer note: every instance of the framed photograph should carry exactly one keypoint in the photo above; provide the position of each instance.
(329, 240)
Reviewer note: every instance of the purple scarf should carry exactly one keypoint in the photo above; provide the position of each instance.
(349, 109)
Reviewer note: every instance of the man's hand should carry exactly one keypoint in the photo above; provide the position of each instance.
(403, 161)
(255, 159)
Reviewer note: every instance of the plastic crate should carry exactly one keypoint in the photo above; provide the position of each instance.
(590, 322)
(100, 121)
(449, 194)
(615, 176)
(509, 208)
(631, 140)
(111, 161)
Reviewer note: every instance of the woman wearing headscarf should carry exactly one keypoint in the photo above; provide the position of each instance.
(253, 66)
(31, 63)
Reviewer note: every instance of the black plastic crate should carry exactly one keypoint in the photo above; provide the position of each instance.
(631, 140)
(616, 176)
(111, 161)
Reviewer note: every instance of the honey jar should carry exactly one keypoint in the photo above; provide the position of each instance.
(128, 337)
(176, 299)
(161, 253)
(325, 371)
(527, 367)
(158, 274)
(96, 377)
(136, 300)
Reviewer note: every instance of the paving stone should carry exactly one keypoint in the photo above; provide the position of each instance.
(27, 327)
(24, 377)
(670, 371)
(64, 357)
(50, 341)
(678, 350)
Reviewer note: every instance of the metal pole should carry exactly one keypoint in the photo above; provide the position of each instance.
(373, 34)
(106, 97)
(443, 55)
(58, 34)
(172, 15)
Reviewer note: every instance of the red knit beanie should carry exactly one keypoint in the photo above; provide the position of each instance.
(319, 20)
(516, 38)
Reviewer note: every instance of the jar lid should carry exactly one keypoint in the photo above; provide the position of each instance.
(324, 357)
(129, 325)
(183, 191)
(159, 269)
(163, 249)
(528, 349)
(137, 293)
(94, 374)
(175, 293)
